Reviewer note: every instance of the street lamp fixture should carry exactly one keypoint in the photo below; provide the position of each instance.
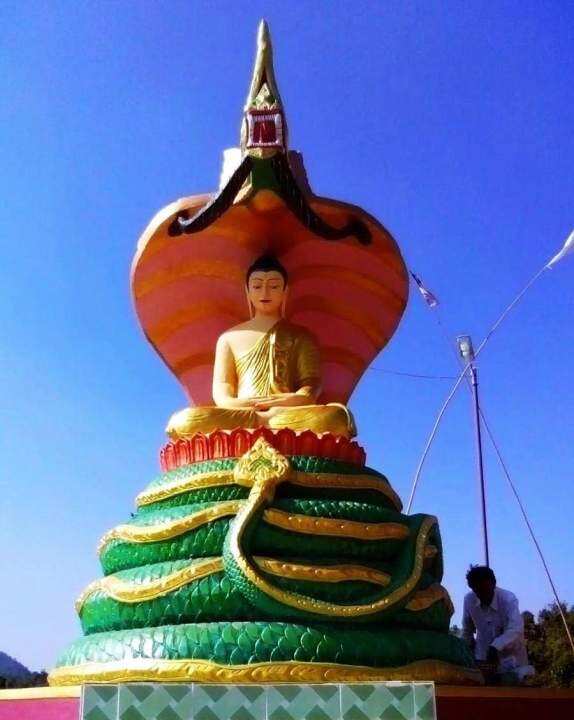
(465, 348)
(466, 352)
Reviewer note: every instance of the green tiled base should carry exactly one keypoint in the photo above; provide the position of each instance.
(156, 701)
(100, 702)
(236, 702)
(362, 702)
(304, 702)
(161, 702)
(425, 702)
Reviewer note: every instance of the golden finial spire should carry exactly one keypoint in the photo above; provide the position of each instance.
(263, 73)
(264, 125)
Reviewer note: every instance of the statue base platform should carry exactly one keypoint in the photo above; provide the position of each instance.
(41, 703)
(369, 701)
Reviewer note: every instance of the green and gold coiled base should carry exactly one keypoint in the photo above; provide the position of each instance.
(268, 568)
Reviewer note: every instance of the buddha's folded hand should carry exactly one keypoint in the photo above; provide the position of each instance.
(282, 400)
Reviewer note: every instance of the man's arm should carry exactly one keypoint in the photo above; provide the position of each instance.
(468, 627)
(514, 627)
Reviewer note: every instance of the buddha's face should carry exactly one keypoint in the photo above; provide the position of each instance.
(266, 292)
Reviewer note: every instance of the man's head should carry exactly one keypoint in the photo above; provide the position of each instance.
(266, 283)
(482, 581)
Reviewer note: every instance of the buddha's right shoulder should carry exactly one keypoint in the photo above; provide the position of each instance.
(228, 336)
(237, 328)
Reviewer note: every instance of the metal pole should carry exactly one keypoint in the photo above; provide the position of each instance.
(479, 462)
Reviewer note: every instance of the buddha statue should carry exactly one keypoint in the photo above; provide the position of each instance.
(266, 371)
(266, 560)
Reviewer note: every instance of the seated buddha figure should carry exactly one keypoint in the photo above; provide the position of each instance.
(266, 371)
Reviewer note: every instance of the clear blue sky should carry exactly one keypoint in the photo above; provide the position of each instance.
(451, 122)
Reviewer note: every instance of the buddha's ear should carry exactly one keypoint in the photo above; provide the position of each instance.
(284, 301)
(249, 305)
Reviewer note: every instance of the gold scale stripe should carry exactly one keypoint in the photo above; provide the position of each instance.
(295, 523)
(144, 670)
(347, 482)
(323, 573)
(316, 480)
(132, 592)
(172, 528)
(423, 599)
(335, 527)
(193, 482)
(321, 607)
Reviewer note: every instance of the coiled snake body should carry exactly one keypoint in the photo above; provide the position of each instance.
(268, 568)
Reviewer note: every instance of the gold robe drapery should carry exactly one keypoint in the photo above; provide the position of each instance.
(284, 360)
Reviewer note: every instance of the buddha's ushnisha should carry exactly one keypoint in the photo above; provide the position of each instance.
(267, 370)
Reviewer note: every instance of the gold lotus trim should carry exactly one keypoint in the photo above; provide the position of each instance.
(144, 670)
(172, 528)
(336, 527)
(132, 592)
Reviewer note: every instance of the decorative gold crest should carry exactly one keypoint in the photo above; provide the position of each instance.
(262, 464)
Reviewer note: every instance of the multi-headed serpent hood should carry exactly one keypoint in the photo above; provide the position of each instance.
(348, 282)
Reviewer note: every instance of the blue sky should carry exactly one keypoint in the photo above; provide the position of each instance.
(451, 122)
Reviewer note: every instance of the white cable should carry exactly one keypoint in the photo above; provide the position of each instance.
(516, 495)
(530, 530)
(459, 380)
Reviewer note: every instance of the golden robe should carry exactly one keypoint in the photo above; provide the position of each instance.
(284, 360)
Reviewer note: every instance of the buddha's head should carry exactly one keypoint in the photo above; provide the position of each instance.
(266, 286)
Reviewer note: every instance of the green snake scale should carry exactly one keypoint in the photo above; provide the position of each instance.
(176, 588)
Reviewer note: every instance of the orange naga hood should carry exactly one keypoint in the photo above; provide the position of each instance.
(348, 282)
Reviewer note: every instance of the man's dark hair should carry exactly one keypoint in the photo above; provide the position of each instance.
(477, 573)
(266, 263)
